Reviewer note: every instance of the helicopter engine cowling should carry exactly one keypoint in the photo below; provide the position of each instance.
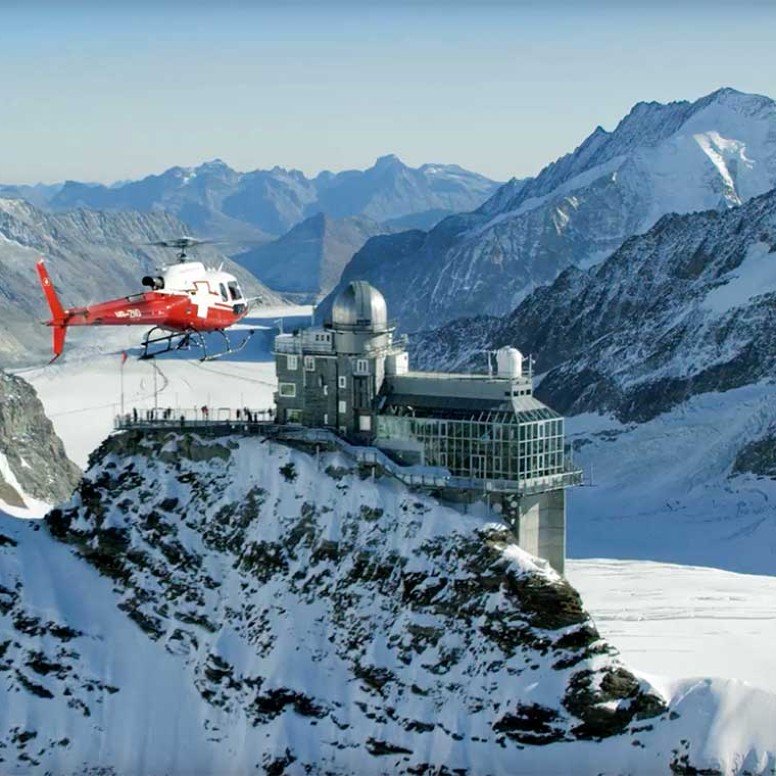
(155, 283)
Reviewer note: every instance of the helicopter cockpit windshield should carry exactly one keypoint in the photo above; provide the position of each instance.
(234, 290)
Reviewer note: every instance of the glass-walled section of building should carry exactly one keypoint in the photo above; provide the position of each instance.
(498, 445)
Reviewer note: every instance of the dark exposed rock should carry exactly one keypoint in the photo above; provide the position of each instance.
(530, 724)
(377, 748)
(589, 702)
(757, 457)
(34, 452)
(268, 705)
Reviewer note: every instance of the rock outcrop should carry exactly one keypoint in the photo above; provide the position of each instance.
(34, 462)
(301, 615)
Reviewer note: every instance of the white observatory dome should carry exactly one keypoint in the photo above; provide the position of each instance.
(509, 362)
(361, 306)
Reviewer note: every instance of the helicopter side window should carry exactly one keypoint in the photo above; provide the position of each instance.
(223, 292)
(234, 290)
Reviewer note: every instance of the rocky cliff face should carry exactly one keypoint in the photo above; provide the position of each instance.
(92, 256)
(688, 308)
(252, 606)
(679, 158)
(32, 458)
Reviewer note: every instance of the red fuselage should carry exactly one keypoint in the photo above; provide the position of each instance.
(167, 310)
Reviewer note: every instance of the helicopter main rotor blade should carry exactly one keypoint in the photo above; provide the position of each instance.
(179, 243)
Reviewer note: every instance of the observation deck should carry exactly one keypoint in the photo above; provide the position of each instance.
(221, 421)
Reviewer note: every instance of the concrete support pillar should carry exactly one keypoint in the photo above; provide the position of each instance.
(552, 529)
(541, 528)
(529, 526)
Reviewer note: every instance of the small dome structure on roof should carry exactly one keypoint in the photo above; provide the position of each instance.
(360, 306)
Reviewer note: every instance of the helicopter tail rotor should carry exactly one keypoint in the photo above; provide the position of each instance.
(58, 320)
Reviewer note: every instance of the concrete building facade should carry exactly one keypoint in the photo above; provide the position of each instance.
(494, 441)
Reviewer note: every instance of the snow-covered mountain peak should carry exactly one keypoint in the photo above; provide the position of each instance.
(744, 103)
(646, 126)
(680, 157)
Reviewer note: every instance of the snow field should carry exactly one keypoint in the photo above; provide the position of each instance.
(672, 621)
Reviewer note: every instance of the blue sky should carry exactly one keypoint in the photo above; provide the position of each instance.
(95, 93)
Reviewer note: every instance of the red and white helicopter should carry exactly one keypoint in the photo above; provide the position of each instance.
(185, 301)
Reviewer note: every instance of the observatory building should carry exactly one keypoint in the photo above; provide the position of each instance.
(493, 441)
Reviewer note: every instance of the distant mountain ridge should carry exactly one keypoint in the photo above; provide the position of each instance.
(219, 201)
(714, 153)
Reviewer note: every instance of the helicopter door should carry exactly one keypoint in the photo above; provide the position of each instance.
(202, 298)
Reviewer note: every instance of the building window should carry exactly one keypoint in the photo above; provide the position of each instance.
(294, 416)
(309, 363)
(343, 407)
(288, 389)
(325, 390)
(362, 366)
(325, 418)
(342, 381)
(292, 362)
(364, 423)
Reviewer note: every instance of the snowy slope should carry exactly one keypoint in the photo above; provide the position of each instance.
(674, 621)
(682, 157)
(670, 489)
(283, 613)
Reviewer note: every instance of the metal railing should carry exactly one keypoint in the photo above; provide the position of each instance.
(163, 417)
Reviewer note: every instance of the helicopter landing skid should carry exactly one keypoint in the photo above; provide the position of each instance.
(183, 341)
